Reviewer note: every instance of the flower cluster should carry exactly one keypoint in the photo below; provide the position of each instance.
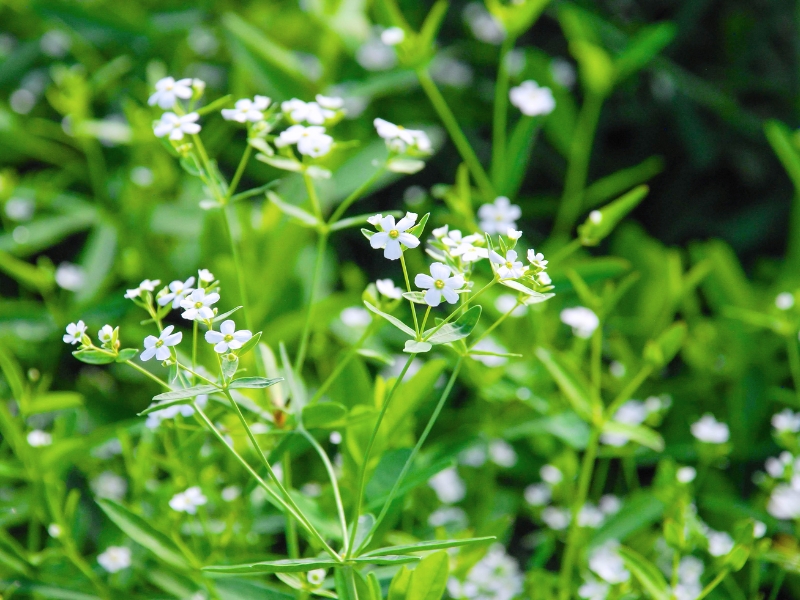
(188, 501)
(781, 479)
(176, 122)
(496, 576)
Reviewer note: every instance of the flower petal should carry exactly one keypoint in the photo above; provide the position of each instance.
(242, 335)
(423, 281)
(221, 348)
(214, 337)
(392, 251)
(228, 327)
(440, 271)
(162, 353)
(408, 240)
(449, 295)
(148, 353)
(433, 297)
(496, 258)
(379, 239)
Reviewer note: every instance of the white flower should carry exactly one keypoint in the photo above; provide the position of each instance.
(330, 102)
(38, 438)
(556, 518)
(510, 267)
(513, 233)
(109, 485)
(105, 334)
(508, 303)
(247, 110)
(175, 127)
(168, 91)
(70, 277)
(531, 99)
(499, 216)
(159, 346)
(440, 232)
(786, 420)
(607, 564)
(316, 576)
(227, 337)
(537, 259)
(537, 494)
(449, 487)
(719, 543)
(393, 36)
(155, 418)
(709, 430)
(495, 577)
(448, 515)
(759, 529)
(178, 290)
(54, 530)
(483, 24)
(633, 412)
(188, 501)
(463, 246)
(314, 113)
(399, 139)
(690, 569)
(355, 316)
(582, 320)
(392, 235)
(374, 55)
(375, 220)
(784, 503)
(551, 474)
(440, 283)
(610, 504)
(473, 457)
(594, 590)
(74, 332)
(590, 516)
(335, 438)
(388, 289)
(231, 493)
(146, 286)
(686, 474)
(115, 558)
(196, 305)
(784, 300)
(205, 276)
(774, 467)
(502, 453)
(311, 141)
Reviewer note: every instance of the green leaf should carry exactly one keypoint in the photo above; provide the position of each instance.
(429, 545)
(94, 357)
(461, 328)
(780, 138)
(595, 66)
(162, 405)
(419, 228)
(398, 588)
(291, 210)
(644, 47)
(415, 347)
(621, 181)
(53, 401)
(253, 382)
(186, 392)
(126, 354)
(225, 315)
(229, 364)
(385, 559)
(637, 433)
(393, 320)
(661, 351)
(639, 512)
(602, 222)
(249, 344)
(646, 573)
(415, 297)
(289, 565)
(285, 164)
(141, 532)
(534, 296)
(429, 577)
(569, 380)
(324, 415)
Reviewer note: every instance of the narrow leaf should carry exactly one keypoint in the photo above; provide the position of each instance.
(393, 320)
(253, 382)
(429, 545)
(187, 392)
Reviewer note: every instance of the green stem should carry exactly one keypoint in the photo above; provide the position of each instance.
(362, 479)
(410, 460)
(458, 137)
(500, 118)
(629, 390)
(571, 550)
(340, 366)
(237, 176)
(160, 382)
(303, 348)
(194, 349)
(312, 195)
(292, 543)
(714, 583)
(197, 375)
(460, 308)
(408, 288)
(776, 586)
(578, 168)
(340, 210)
(794, 363)
(494, 325)
(425, 318)
(596, 364)
(565, 251)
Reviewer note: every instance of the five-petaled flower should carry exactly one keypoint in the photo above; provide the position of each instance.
(247, 110)
(499, 216)
(168, 91)
(196, 305)
(178, 290)
(74, 332)
(227, 338)
(105, 334)
(463, 245)
(393, 234)
(146, 286)
(311, 141)
(175, 127)
(399, 139)
(115, 558)
(159, 346)
(537, 259)
(531, 99)
(510, 267)
(439, 283)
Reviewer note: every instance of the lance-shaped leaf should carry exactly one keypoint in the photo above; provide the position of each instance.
(429, 545)
(162, 405)
(661, 351)
(126, 354)
(186, 393)
(289, 565)
(225, 315)
(461, 328)
(415, 347)
(603, 221)
(291, 210)
(253, 382)
(534, 297)
(386, 560)
(636, 433)
(415, 297)
(646, 573)
(569, 380)
(94, 357)
(249, 344)
(393, 320)
(324, 415)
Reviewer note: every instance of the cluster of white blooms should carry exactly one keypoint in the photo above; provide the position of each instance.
(155, 418)
(607, 564)
(188, 501)
(786, 421)
(38, 438)
(531, 99)
(175, 123)
(633, 412)
(401, 140)
(499, 216)
(784, 300)
(690, 569)
(582, 320)
(710, 431)
(449, 487)
(463, 249)
(496, 576)
(247, 111)
(483, 24)
(109, 485)
(115, 558)
(782, 478)
(720, 543)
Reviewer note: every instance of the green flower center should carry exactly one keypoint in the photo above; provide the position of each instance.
(159, 343)
(228, 337)
(438, 284)
(509, 264)
(198, 305)
(394, 234)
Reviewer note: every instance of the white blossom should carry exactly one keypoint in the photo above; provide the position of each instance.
(227, 338)
(531, 99)
(246, 110)
(551, 474)
(508, 303)
(774, 467)
(633, 412)
(155, 418)
(178, 290)
(399, 139)
(441, 283)
(176, 126)
(313, 113)
(115, 558)
(463, 246)
(502, 453)
(448, 515)
(537, 494)
(168, 91)
(610, 504)
(495, 577)
(594, 590)
(784, 502)
(197, 305)
(393, 234)
(355, 316)
(388, 289)
(231, 493)
(109, 485)
(74, 332)
(106, 334)
(393, 36)
(607, 564)
(498, 216)
(537, 259)
(159, 346)
(686, 474)
(556, 518)
(759, 529)
(473, 457)
(316, 576)
(188, 501)
(483, 24)
(20, 209)
(374, 55)
(54, 530)
(70, 277)
(330, 102)
(784, 300)
(449, 487)
(711, 431)
(311, 141)
(590, 516)
(513, 233)
(582, 320)
(38, 438)
(510, 267)
(719, 543)
(786, 420)
(205, 276)
(146, 286)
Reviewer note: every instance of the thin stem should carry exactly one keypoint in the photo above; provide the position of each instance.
(194, 349)
(237, 265)
(303, 348)
(494, 325)
(425, 318)
(458, 137)
(462, 307)
(794, 363)
(571, 551)
(410, 460)
(565, 251)
(237, 176)
(714, 583)
(340, 210)
(195, 374)
(292, 543)
(340, 366)
(596, 363)
(362, 480)
(408, 288)
(500, 118)
(776, 586)
(629, 390)
(160, 382)
(312, 195)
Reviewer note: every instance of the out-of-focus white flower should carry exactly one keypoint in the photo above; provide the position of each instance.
(146, 286)
(115, 558)
(38, 438)
(508, 302)
(247, 110)
(188, 501)
(610, 504)
(231, 493)
(197, 305)
(106, 334)
(459, 245)
(490, 345)
(607, 564)
(774, 467)
(551, 474)
(510, 267)
(513, 234)
(205, 276)
(74, 333)
(155, 418)
(374, 55)
(473, 457)
(499, 216)
(70, 277)
(178, 290)
(168, 91)
(563, 72)
(590, 516)
(719, 543)
(55, 43)
(537, 259)
(449, 487)
(393, 234)
(556, 518)
(448, 515)
(316, 576)
(495, 577)
(441, 283)
(311, 141)
(784, 300)
(502, 453)
(711, 431)
(313, 113)
(159, 346)
(617, 369)
(582, 320)
(633, 412)
(355, 316)
(335, 438)
(786, 420)
(393, 36)
(538, 494)
(531, 99)
(54, 530)
(483, 24)
(20, 209)
(759, 529)
(109, 485)
(784, 502)
(176, 126)
(594, 590)
(686, 474)
(388, 289)
(399, 139)
(227, 338)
